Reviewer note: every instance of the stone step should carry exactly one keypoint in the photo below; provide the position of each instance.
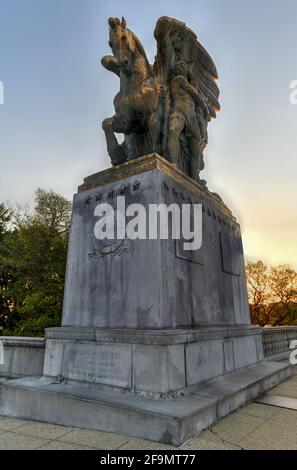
(170, 421)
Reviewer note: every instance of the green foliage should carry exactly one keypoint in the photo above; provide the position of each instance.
(32, 266)
(5, 218)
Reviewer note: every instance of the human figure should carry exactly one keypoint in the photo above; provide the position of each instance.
(190, 114)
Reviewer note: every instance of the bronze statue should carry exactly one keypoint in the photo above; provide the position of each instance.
(183, 117)
(164, 108)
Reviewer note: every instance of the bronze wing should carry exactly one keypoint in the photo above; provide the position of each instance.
(176, 42)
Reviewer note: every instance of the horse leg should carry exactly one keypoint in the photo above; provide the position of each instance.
(115, 150)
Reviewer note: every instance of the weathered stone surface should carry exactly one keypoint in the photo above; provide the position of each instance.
(234, 390)
(169, 421)
(104, 363)
(53, 361)
(245, 351)
(159, 369)
(160, 337)
(149, 283)
(150, 361)
(22, 356)
(229, 360)
(204, 360)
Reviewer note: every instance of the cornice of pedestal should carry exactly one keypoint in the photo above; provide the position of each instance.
(161, 337)
(148, 163)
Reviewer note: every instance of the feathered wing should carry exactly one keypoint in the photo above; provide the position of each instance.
(175, 42)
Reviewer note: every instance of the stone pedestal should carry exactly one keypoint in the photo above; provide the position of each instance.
(153, 284)
(147, 315)
(156, 340)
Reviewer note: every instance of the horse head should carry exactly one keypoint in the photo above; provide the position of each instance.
(125, 45)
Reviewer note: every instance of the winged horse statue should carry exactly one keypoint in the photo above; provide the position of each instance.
(165, 107)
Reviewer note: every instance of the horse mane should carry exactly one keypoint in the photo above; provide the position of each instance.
(140, 47)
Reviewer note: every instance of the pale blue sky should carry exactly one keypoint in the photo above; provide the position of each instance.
(57, 94)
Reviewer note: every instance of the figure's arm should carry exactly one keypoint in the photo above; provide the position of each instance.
(196, 97)
(111, 63)
(188, 88)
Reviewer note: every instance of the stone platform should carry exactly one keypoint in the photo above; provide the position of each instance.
(169, 421)
(254, 426)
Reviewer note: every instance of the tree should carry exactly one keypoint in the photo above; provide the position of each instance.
(283, 287)
(6, 269)
(272, 294)
(36, 255)
(5, 218)
(258, 292)
(52, 211)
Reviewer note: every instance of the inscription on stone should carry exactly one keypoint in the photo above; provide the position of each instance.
(99, 363)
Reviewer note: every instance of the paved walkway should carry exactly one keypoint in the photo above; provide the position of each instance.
(255, 426)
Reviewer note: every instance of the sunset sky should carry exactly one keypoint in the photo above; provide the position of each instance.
(57, 94)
